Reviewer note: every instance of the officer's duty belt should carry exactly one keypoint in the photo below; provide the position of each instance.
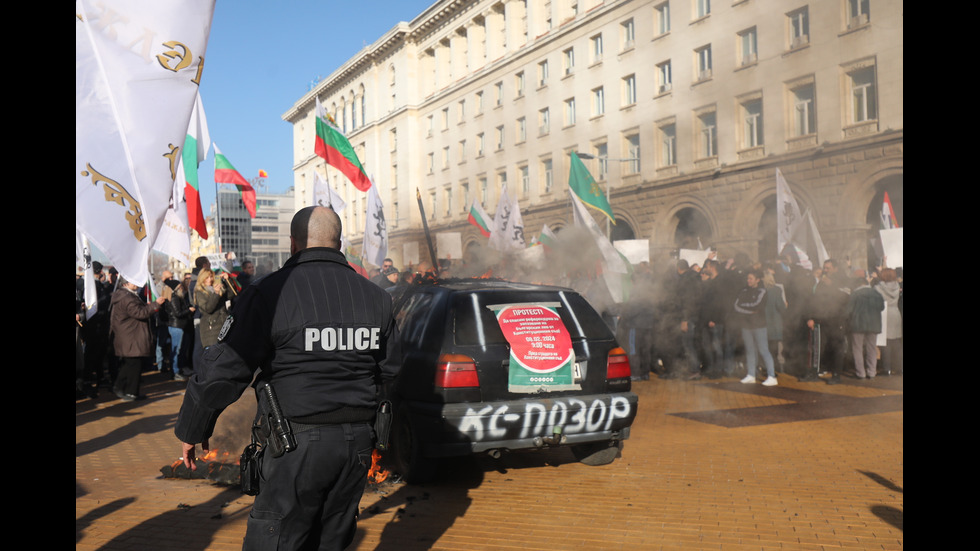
(335, 417)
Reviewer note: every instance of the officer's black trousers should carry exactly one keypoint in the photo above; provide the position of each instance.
(308, 498)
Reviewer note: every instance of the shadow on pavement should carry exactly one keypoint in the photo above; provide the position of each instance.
(891, 515)
(109, 508)
(145, 425)
(185, 519)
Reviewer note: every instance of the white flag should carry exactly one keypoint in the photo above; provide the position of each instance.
(807, 244)
(788, 216)
(137, 70)
(507, 232)
(613, 260)
(375, 231)
(84, 254)
(325, 196)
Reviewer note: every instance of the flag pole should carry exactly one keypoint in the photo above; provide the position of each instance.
(428, 236)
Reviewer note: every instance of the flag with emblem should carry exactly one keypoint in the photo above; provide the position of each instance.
(584, 187)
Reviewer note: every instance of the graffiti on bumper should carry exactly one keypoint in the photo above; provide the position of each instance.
(535, 418)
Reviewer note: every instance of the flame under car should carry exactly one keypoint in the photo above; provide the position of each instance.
(490, 366)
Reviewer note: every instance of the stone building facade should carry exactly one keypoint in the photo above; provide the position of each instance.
(687, 106)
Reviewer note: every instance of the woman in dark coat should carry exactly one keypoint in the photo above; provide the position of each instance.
(210, 297)
(133, 344)
(180, 319)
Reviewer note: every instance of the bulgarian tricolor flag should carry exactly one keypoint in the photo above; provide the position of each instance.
(888, 218)
(195, 149)
(479, 218)
(225, 173)
(547, 238)
(356, 262)
(337, 151)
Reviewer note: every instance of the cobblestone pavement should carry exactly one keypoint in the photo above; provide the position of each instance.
(709, 465)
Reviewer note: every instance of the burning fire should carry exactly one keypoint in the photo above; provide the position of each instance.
(211, 456)
(376, 474)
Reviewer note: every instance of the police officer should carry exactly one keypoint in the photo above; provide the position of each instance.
(318, 333)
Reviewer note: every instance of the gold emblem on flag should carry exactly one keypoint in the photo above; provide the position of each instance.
(116, 193)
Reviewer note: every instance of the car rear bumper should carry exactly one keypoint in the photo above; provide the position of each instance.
(461, 429)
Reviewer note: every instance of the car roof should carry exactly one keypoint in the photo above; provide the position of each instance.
(486, 284)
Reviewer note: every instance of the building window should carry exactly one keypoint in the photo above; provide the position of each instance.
(601, 153)
(798, 25)
(858, 12)
(431, 125)
(481, 143)
(633, 154)
(629, 90)
(702, 8)
(521, 130)
(525, 180)
(393, 139)
(519, 84)
(462, 110)
(598, 102)
(702, 60)
(445, 118)
(501, 179)
(804, 111)
(595, 49)
(663, 18)
(569, 112)
(479, 103)
(484, 191)
(433, 204)
(500, 137)
(445, 157)
(747, 47)
(432, 162)
(864, 101)
(464, 189)
(668, 145)
(544, 121)
(568, 60)
(628, 34)
(708, 139)
(462, 151)
(665, 77)
(547, 173)
(498, 95)
(752, 135)
(543, 73)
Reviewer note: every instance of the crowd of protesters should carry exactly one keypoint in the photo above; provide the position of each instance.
(134, 329)
(730, 318)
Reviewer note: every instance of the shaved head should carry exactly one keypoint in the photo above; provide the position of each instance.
(315, 227)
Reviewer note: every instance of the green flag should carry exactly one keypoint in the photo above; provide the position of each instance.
(585, 188)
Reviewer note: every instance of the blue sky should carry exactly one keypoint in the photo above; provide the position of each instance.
(262, 57)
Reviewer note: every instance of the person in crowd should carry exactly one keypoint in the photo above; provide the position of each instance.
(775, 309)
(160, 322)
(750, 313)
(247, 275)
(712, 321)
(892, 356)
(210, 298)
(864, 323)
(828, 310)
(132, 340)
(180, 321)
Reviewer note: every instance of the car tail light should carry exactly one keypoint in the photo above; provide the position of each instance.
(456, 371)
(617, 364)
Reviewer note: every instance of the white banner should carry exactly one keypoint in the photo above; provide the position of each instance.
(892, 243)
(788, 215)
(324, 195)
(635, 250)
(137, 70)
(375, 230)
(507, 232)
(693, 256)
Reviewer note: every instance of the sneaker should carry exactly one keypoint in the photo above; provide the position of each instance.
(770, 381)
(749, 379)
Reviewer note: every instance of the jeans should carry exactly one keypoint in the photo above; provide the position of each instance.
(176, 336)
(757, 341)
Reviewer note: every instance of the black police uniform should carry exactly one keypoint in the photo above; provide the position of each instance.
(319, 333)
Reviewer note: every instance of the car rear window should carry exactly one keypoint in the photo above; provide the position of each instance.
(475, 324)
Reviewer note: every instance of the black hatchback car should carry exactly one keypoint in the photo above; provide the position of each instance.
(490, 366)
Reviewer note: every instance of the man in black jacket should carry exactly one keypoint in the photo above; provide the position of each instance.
(318, 333)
